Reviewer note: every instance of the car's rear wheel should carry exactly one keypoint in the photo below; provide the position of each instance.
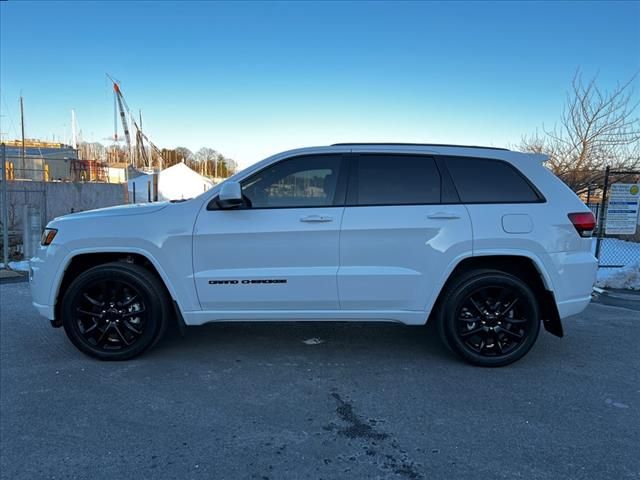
(114, 311)
(489, 318)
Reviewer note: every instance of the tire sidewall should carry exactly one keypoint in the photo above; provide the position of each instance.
(461, 291)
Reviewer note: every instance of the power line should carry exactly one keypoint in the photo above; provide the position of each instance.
(10, 116)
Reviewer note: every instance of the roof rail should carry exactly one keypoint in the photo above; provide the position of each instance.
(417, 145)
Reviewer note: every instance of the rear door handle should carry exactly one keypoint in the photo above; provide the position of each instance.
(316, 219)
(443, 216)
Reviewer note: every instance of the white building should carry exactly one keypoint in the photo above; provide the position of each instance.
(174, 183)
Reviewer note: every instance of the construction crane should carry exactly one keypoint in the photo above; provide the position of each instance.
(123, 109)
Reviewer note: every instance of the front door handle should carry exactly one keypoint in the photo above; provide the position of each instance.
(316, 219)
(443, 216)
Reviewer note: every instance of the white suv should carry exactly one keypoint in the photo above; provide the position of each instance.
(485, 242)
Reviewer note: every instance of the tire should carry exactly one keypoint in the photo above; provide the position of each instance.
(489, 318)
(115, 311)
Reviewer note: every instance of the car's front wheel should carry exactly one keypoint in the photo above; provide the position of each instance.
(490, 318)
(114, 311)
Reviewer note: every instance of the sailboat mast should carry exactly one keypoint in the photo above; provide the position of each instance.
(74, 133)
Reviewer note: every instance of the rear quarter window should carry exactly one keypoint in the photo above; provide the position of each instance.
(483, 180)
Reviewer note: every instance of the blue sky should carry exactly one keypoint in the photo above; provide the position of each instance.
(251, 79)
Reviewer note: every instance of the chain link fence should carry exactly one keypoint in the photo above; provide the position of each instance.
(23, 206)
(615, 246)
(33, 192)
(615, 250)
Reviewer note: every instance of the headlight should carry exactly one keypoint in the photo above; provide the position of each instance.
(47, 236)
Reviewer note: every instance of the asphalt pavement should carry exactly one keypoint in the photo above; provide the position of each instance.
(318, 401)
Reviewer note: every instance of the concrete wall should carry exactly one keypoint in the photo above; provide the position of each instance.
(54, 199)
(63, 198)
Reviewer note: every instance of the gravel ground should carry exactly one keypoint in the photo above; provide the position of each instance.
(239, 401)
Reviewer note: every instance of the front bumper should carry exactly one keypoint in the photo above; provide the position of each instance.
(45, 272)
(46, 311)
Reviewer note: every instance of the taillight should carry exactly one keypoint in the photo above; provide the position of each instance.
(584, 222)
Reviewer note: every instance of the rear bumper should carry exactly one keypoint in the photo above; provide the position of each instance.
(573, 275)
(572, 307)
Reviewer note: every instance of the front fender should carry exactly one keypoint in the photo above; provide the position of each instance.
(179, 291)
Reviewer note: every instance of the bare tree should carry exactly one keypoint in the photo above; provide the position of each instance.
(597, 129)
(206, 157)
(91, 151)
(183, 153)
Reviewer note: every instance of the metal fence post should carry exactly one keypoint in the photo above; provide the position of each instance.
(603, 206)
(31, 230)
(5, 209)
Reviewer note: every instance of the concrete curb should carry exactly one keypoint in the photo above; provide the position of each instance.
(11, 276)
(630, 295)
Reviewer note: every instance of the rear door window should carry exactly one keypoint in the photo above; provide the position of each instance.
(382, 179)
(483, 180)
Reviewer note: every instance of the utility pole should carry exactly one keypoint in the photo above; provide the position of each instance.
(22, 126)
(601, 212)
(2, 134)
(5, 208)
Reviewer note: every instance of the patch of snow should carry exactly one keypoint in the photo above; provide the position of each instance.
(613, 403)
(21, 266)
(627, 277)
(614, 251)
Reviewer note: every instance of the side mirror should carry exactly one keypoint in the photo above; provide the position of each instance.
(230, 195)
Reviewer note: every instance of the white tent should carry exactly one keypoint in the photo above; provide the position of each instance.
(174, 183)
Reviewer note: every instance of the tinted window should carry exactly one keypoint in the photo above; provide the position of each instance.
(395, 180)
(480, 180)
(300, 182)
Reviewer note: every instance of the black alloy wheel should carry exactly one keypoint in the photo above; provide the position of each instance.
(490, 318)
(110, 314)
(114, 311)
(491, 321)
